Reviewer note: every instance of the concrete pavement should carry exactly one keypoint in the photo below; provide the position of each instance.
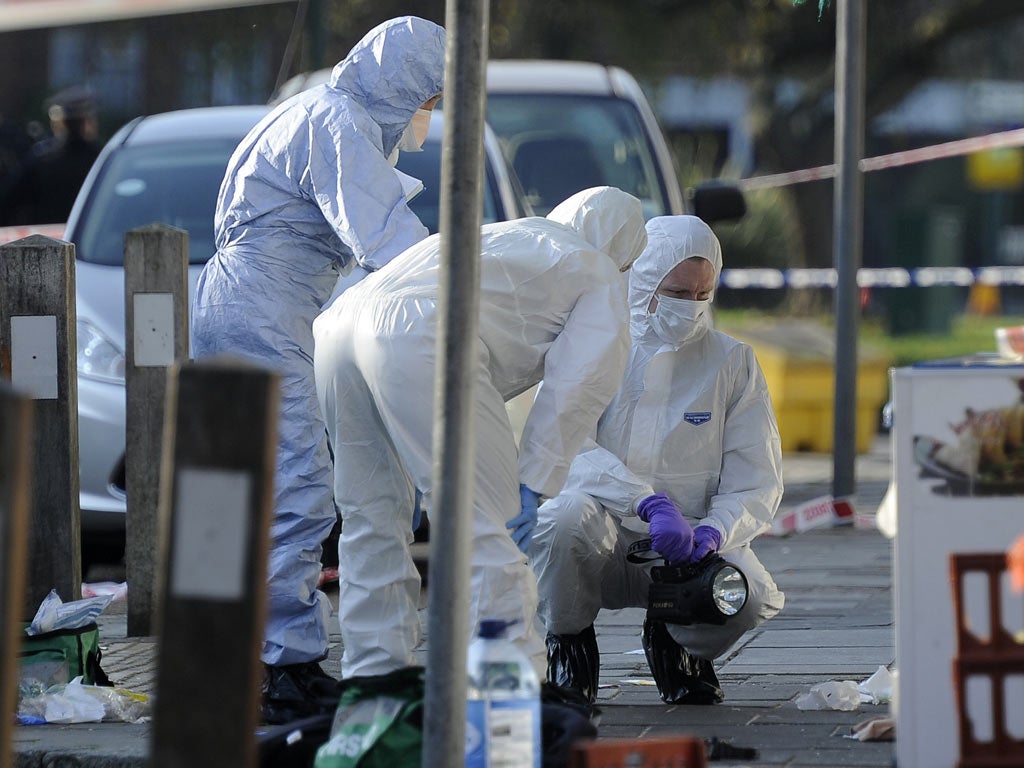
(837, 625)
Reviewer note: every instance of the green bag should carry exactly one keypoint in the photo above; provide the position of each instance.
(62, 655)
(378, 723)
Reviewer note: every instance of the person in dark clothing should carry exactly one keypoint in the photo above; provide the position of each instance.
(56, 167)
(15, 144)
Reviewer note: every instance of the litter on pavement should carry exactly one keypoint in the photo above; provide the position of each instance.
(846, 695)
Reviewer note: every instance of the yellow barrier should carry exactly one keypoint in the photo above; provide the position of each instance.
(798, 361)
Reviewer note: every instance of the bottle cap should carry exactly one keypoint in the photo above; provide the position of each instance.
(493, 628)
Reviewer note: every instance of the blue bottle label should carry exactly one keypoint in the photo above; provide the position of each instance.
(504, 733)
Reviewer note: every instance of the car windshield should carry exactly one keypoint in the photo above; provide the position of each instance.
(173, 184)
(560, 144)
(177, 184)
(426, 166)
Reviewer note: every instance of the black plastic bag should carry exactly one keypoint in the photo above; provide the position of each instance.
(293, 745)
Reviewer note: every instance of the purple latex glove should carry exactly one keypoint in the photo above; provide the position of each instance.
(705, 541)
(671, 535)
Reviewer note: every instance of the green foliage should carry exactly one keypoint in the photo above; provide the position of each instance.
(969, 334)
(822, 5)
(766, 237)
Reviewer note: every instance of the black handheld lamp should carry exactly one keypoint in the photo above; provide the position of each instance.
(710, 591)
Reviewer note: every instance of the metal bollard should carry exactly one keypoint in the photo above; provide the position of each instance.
(15, 453)
(38, 343)
(218, 475)
(156, 337)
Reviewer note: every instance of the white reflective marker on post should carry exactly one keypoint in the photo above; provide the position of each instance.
(34, 355)
(154, 329)
(211, 534)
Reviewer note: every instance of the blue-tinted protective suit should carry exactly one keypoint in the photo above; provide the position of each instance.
(309, 195)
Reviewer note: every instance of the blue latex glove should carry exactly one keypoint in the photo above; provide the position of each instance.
(523, 525)
(705, 541)
(417, 511)
(671, 535)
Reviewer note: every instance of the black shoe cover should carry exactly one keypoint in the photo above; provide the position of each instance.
(574, 662)
(680, 677)
(294, 691)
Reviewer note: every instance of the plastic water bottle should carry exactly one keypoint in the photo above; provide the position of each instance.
(503, 703)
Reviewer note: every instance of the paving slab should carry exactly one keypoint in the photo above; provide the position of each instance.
(837, 624)
(828, 638)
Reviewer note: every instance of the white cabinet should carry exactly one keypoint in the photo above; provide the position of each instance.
(954, 426)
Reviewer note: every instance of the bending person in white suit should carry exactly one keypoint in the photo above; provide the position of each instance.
(552, 306)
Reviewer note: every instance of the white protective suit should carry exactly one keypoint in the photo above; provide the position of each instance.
(552, 306)
(694, 422)
(309, 194)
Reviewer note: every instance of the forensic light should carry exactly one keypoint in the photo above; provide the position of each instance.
(708, 592)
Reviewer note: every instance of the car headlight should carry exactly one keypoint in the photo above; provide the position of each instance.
(99, 358)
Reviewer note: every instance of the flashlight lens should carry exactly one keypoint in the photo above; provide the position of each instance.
(729, 590)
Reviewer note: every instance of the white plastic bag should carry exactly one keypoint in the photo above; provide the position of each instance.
(53, 613)
(73, 705)
(834, 694)
(78, 703)
(878, 687)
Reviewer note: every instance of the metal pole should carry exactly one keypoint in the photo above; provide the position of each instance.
(849, 217)
(315, 30)
(459, 301)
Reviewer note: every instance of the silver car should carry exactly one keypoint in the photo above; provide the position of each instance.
(167, 168)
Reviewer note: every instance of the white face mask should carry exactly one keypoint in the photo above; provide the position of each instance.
(415, 132)
(677, 320)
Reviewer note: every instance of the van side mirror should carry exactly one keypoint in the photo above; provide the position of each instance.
(716, 201)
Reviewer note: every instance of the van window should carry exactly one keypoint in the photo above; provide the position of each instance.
(426, 166)
(559, 144)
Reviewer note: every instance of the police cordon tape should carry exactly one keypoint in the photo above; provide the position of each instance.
(821, 512)
(883, 277)
(880, 277)
(1000, 140)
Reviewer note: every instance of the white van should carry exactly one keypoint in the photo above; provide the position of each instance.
(569, 125)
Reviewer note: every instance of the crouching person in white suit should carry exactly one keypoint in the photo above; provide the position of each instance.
(687, 455)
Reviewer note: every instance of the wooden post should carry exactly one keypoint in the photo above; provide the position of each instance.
(38, 348)
(156, 336)
(219, 471)
(15, 453)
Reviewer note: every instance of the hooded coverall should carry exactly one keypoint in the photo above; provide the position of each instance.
(309, 195)
(692, 421)
(552, 306)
